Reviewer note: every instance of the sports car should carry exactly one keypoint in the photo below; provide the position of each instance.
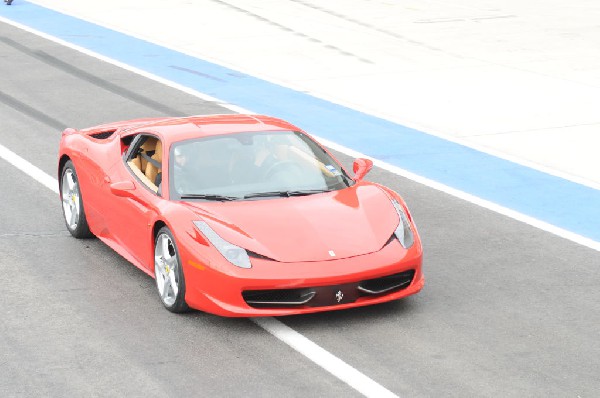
(239, 215)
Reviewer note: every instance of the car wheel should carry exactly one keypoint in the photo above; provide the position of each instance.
(72, 203)
(168, 273)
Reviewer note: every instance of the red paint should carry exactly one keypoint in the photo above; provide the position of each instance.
(356, 223)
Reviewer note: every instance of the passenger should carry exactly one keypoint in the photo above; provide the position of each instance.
(180, 158)
(199, 168)
(182, 174)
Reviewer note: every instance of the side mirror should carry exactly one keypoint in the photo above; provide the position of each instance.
(123, 189)
(361, 167)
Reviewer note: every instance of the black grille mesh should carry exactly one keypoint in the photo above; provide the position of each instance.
(276, 298)
(387, 284)
(328, 295)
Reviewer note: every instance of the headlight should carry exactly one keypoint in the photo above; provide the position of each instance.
(403, 231)
(234, 254)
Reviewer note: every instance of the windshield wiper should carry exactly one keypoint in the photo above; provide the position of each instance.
(209, 196)
(285, 194)
(347, 180)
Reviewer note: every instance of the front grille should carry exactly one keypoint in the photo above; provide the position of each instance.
(386, 284)
(278, 297)
(319, 296)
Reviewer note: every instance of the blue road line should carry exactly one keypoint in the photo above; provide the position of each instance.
(557, 201)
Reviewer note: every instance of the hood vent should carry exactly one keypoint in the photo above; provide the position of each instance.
(103, 134)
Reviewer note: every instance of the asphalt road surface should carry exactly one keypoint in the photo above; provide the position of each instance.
(507, 310)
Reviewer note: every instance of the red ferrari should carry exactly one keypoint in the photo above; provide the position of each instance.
(239, 215)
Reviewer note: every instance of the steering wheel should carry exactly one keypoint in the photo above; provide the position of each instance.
(280, 166)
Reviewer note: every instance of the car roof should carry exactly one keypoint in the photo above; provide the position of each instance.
(175, 129)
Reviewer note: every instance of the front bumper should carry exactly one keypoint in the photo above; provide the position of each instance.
(213, 285)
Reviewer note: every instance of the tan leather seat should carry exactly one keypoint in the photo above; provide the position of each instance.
(148, 146)
(137, 162)
(151, 170)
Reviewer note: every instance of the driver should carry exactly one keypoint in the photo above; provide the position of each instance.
(259, 162)
(274, 149)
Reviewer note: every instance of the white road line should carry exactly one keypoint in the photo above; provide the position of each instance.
(340, 101)
(28, 168)
(324, 359)
(197, 94)
(298, 342)
(579, 239)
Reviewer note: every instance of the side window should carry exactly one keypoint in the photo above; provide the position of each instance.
(145, 161)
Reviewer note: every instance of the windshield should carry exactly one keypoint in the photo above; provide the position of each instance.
(252, 165)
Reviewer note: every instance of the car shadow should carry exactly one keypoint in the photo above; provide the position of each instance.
(376, 313)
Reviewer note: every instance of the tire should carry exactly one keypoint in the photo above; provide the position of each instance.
(72, 203)
(168, 273)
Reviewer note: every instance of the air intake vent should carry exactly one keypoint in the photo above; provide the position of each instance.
(278, 298)
(386, 284)
(103, 135)
(319, 296)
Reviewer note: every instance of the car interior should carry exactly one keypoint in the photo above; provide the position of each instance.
(146, 162)
(224, 165)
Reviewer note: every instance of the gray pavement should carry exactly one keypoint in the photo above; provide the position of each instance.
(507, 309)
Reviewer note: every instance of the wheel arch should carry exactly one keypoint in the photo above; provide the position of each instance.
(61, 163)
(158, 224)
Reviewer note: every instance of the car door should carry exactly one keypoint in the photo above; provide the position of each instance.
(135, 201)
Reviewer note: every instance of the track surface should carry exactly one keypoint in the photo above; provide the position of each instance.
(507, 309)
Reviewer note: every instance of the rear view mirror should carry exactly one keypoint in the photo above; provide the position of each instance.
(361, 167)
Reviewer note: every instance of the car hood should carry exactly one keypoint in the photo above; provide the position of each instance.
(327, 226)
